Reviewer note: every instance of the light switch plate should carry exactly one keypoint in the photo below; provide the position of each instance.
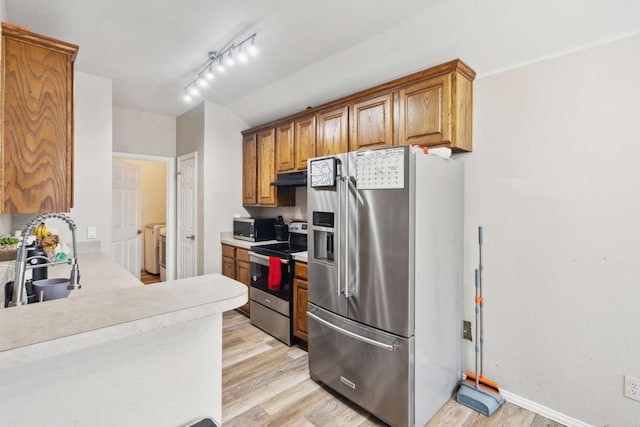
(91, 232)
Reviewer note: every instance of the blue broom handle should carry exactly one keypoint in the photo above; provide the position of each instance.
(481, 267)
(477, 277)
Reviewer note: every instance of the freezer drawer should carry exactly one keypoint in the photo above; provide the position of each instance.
(374, 369)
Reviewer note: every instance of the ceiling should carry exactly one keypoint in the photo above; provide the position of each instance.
(313, 51)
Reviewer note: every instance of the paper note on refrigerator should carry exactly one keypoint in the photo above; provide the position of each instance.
(380, 169)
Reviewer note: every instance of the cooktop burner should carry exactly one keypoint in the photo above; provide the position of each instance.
(284, 247)
(297, 243)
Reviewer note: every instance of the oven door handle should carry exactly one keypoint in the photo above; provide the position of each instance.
(263, 259)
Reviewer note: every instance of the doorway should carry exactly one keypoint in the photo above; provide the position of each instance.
(157, 213)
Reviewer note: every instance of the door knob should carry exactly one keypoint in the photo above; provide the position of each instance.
(191, 237)
(139, 231)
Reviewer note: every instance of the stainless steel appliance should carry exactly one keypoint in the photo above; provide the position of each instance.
(152, 247)
(272, 305)
(254, 229)
(163, 254)
(385, 279)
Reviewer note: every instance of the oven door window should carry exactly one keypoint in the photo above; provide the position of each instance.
(260, 277)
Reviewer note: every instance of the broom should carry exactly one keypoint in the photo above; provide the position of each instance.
(476, 391)
(480, 302)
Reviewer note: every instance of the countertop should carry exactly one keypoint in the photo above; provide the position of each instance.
(111, 304)
(226, 237)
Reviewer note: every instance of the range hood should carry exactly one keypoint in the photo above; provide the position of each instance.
(292, 179)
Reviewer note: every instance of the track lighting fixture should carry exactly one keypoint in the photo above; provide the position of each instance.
(220, 61)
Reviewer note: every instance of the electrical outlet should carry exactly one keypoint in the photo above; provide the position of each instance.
(466, 330)
(632, 387)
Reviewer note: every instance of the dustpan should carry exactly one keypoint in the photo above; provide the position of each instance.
(478, 399)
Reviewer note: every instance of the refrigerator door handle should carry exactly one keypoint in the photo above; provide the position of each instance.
(338, 256)
(345, 180)
(350, 184)
(390, 347)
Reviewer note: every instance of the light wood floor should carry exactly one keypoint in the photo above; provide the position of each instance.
(148, 278)
(266, 383)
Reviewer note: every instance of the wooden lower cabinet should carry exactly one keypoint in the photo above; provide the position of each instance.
(300, 298)
(235, 265)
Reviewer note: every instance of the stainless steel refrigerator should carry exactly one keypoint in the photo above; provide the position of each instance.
(385, 279)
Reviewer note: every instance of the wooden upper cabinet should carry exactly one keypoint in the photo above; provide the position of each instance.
(285, 152)
(266, 167)
(36, 132)
(305, 141)
(437, 112)
(371, 123)
(425, 107)
(333, 135)
(249, 170)
(259, 171)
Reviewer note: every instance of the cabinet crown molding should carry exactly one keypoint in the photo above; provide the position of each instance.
(445, 68)
(26, 36)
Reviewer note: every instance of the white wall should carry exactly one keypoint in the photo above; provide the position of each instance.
(93, 147)
(222, 179)
(554, 181)
(139, 132)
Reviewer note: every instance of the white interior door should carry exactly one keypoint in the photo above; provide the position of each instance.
(126, 222)
(187, 215)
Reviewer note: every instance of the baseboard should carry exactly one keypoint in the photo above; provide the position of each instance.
(542, 410)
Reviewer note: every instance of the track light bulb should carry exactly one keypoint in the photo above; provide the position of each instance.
(187, 98)
(253, 50)
(193, 91)
(220, 67)
(242, 57)
(229, 61)
(202, 82)
(209, 75)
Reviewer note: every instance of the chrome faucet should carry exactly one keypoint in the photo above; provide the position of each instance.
(21, 258)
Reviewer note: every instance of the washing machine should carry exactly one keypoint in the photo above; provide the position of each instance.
(152, 247)
(163, 254)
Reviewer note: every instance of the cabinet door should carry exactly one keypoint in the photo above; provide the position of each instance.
(229, 267)
(371, 123)
(229, 261)
(243, 275)
(333, 135)
(249, 170)
(305, 141)
(266, 167)
(285, 153)
(300, 297)
(425, 112)
(37, 125)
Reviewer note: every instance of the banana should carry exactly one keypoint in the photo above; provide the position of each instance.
(41, 232)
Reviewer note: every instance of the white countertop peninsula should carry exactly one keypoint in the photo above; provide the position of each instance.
(116, 352)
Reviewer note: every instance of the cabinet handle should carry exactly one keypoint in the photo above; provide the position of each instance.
(191, 237)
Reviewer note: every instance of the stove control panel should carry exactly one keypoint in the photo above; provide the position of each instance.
(298, 227)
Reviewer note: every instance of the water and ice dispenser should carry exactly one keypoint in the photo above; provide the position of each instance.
(323, 236)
